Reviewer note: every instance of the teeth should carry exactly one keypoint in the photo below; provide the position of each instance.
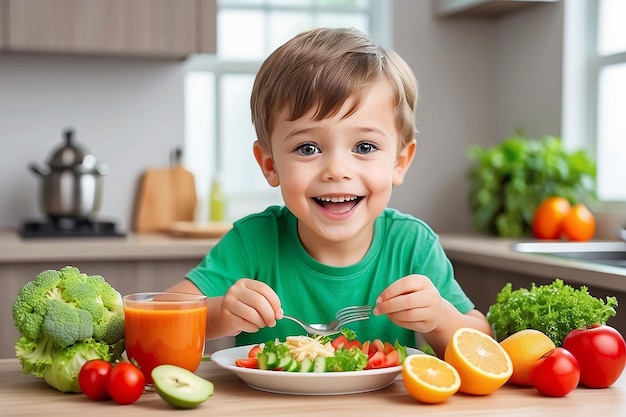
(337, 199)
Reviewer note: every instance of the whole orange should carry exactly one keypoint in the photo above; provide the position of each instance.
(548, 217)
(525, 348)
(579, 224)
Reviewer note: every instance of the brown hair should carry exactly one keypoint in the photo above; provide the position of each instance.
(323, 68)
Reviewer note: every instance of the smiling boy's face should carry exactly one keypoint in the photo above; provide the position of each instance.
(336, 174)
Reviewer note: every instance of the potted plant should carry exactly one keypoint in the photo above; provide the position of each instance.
(509, 180)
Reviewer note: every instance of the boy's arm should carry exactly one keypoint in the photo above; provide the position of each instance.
(247, 306)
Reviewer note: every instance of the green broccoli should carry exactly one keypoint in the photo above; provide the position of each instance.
(60, 309)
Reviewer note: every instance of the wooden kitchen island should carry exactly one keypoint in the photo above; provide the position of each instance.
(25, 395)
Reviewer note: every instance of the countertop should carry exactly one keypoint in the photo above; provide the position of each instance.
(481, 250)
(132, 246)
(25, 395)
(497, 253)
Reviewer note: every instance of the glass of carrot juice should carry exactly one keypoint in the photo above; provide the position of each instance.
(164, 328)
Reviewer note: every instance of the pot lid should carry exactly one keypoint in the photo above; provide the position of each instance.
(73, 156)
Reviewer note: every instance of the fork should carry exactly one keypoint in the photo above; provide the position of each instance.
(344, 316)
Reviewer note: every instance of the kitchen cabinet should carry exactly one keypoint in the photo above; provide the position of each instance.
(147, 28)
(481, 8)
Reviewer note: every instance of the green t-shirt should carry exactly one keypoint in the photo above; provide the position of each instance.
(266, 247)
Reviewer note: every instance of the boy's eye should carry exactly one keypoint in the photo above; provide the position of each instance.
(307, 149)
(365, 148)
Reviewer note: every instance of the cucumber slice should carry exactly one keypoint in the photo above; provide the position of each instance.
(272, 360)
(285, 362)
(306, 365)
(319, 365)
(294, 366)
(262, 361)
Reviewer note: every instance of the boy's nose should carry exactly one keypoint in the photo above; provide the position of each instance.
(337, 169)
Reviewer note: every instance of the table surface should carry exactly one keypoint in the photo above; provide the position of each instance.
(25, 395)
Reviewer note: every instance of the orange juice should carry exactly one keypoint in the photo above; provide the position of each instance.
(165, 332)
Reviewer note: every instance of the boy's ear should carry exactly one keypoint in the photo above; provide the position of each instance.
(403, 162)
(266, 163)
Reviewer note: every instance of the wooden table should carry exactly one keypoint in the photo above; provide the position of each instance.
(25, 395)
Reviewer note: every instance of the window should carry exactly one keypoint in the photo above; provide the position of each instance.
(594, 101)
(218, 130)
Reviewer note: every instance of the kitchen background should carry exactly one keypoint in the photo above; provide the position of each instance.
(481, 77)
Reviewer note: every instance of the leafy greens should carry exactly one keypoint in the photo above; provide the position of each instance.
(553, 309)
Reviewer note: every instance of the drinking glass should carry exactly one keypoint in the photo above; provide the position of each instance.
(165, 328)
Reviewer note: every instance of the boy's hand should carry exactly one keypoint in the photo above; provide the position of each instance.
(412, 302)
(248, 306)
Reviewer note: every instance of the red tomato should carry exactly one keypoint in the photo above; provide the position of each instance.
(377, 360)
(353, 343)
(254, 351)
(339, 341)
(556, 373)
(601, 354)
(125, 383)
(92, 379)
(247, 363)
(392, 358)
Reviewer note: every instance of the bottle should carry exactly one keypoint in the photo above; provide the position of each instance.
(217, 201)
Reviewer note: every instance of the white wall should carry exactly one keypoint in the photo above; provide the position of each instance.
(479, 80)
(127, 112)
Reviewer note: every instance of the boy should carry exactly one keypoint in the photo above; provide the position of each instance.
(334, 117)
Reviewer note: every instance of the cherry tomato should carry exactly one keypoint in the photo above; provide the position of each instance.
(93, 377)
(556, 373)
(126, 383)
(601, 354)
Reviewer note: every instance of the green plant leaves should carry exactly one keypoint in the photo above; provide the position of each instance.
(508, 181)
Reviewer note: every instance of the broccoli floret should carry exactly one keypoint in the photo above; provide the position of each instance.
(58, 309)
(110, 328)
(31, 303)
(65, 324)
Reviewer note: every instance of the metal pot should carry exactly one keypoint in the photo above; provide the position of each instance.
(71, 182)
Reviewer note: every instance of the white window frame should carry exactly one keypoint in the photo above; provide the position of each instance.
(582, 65)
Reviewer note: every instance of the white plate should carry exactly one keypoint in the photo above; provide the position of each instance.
(309, 383)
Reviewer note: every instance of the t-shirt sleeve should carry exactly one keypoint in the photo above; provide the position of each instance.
(222, 266)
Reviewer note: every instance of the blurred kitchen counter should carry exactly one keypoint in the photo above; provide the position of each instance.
(152, 262)
(15, 249)
(497, 254)
(484, 264)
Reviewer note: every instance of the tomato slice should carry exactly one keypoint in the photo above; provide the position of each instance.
(353, 343)
(377, 346)
(254, 351)
(388, 348)
(377, 360)
(247, 363)
(392, 359)
(339, 341)
(365, 348)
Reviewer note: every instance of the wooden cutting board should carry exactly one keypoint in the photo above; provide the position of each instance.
(166, 195)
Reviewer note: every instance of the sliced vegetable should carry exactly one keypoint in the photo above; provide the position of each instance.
(320, 354)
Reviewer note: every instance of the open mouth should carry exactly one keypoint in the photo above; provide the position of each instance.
(337, 205)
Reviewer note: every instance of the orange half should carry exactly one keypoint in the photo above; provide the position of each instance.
(483, 364)
(429, 379)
